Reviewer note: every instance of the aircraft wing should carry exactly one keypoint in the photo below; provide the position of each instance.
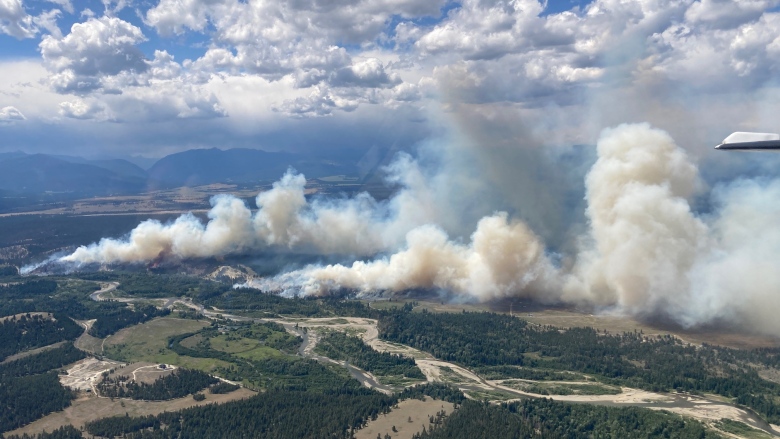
(743, 141)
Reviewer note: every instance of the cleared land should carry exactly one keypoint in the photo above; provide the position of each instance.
(86, 342)
(20, 355)
(149, 342)
(89, 408)
(86, 373)
(408, 419)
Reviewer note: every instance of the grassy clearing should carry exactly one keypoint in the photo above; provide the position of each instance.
(450, 376)
(398, 381)
(149, 342)
(740, 429)
(552, 388)
(243, 348)
(408, 418)
(491, 395)
(89, 408)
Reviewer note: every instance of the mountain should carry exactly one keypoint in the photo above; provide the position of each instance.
(37, 173)
(239, 165)
(68, 176)
(119, 166)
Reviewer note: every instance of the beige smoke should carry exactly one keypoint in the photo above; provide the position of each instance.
(645, 252)
(284, 221)
(503, 258)
(644, 237)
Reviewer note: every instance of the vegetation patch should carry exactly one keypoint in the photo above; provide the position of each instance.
(546, 418)
(181, 382)
(740, 429)
(339, 346)
(563, 389)
(653, 363)
(28, 331)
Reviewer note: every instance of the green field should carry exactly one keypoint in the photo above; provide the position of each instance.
(243, 347)
(149, 342)
(553, 388)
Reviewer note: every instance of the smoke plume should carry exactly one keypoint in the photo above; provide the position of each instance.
(644, 250)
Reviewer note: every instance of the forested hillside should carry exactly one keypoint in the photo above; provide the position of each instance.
(31, 331)
(30, 388)
(633, 359)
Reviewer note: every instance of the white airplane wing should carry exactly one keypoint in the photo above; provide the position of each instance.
(743, 141)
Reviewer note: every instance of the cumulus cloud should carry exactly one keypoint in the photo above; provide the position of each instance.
(81, 109)
(97, 48)
(10, 114)
(99, 60)
(15, 21)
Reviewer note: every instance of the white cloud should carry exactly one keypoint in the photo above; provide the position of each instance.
(15, 21)
(81, 109)
(48, 22)
(366, 73)
(10, 114)
(99, 60)
(97, 48)
(726, 14)
(67, 5)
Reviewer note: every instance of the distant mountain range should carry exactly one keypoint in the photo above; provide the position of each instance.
(38, 173)
(204, 166)
(22, 173)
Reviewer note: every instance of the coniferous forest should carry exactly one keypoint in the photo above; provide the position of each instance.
(181, 382)
(339, 346)
(304, 398)
(658, 363)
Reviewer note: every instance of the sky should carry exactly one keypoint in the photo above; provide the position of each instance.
(149, 77)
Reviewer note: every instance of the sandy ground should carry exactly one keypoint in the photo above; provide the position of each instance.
(705, 410)
(84, 374)
(89, 408)
(418, 411)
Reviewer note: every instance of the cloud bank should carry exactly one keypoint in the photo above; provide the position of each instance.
(256, 71)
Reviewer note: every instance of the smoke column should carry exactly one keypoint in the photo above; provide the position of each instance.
(645, 251)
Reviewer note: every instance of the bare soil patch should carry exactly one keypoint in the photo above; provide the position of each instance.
(21, 355)
(84, 374)
(89, 408)
(418, 411)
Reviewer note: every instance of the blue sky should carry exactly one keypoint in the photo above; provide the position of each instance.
(154, 77)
